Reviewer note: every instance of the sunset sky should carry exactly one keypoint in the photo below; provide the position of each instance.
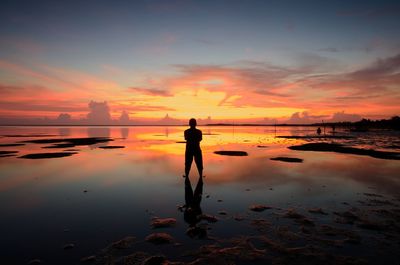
(256, 60)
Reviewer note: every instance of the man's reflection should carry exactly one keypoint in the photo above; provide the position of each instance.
(192, 210)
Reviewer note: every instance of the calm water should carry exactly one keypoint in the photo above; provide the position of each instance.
(43, 204)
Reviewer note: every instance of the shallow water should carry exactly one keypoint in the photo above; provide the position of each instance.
(44, 205)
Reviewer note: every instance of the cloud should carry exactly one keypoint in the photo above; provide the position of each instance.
(341, 116)
(381, 68)
(305, 118)
(151, 91)
(387, 11)
(99, 113)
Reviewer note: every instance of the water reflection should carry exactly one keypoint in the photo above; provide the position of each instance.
(98, 132)
(64, 131)
(121, 183)
(124, 132)
(192, 209)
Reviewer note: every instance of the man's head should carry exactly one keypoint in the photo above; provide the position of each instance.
(192, 123)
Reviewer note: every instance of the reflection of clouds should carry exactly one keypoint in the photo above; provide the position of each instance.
(64, 131)
(124, 132)
(317, 167)
(98, 132)
(148, 156)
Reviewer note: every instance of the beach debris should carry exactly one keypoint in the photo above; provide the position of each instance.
(219, 200)
(222, 212)
(35, 262)
(259, 207)
(69, 246)
(163, 222)
(112, 147)
(339, 148)
(317, 211)
(231, 153)
(47, 155)
(123, 243)
(262, 146)
(159, 238)
(287, 159)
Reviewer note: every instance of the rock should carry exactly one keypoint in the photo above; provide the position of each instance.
(155, 260)
(47, 155)
(197, 231)
(163, 222)
(299, 218)
(123, 243)
(338, 148)
(231, 153)
(317, 211)
(259, 208)
(208, 218)
(222, 213)
(287, 159)
(159, 238)
(112, 147)
(89, 259)
(69, 246)
(35, 262)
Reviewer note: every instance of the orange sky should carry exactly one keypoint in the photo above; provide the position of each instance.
(244, 90)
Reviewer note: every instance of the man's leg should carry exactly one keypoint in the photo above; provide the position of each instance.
(198, 159)
(188, 162)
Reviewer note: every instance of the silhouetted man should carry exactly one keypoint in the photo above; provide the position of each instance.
(193, 138)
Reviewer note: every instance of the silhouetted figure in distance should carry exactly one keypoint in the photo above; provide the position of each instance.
(319, 131)
(193, 138)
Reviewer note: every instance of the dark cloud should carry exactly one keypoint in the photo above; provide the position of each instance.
(380, 68)
(387, 11)
(59, 106)
(329, 49)
(151, 91)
